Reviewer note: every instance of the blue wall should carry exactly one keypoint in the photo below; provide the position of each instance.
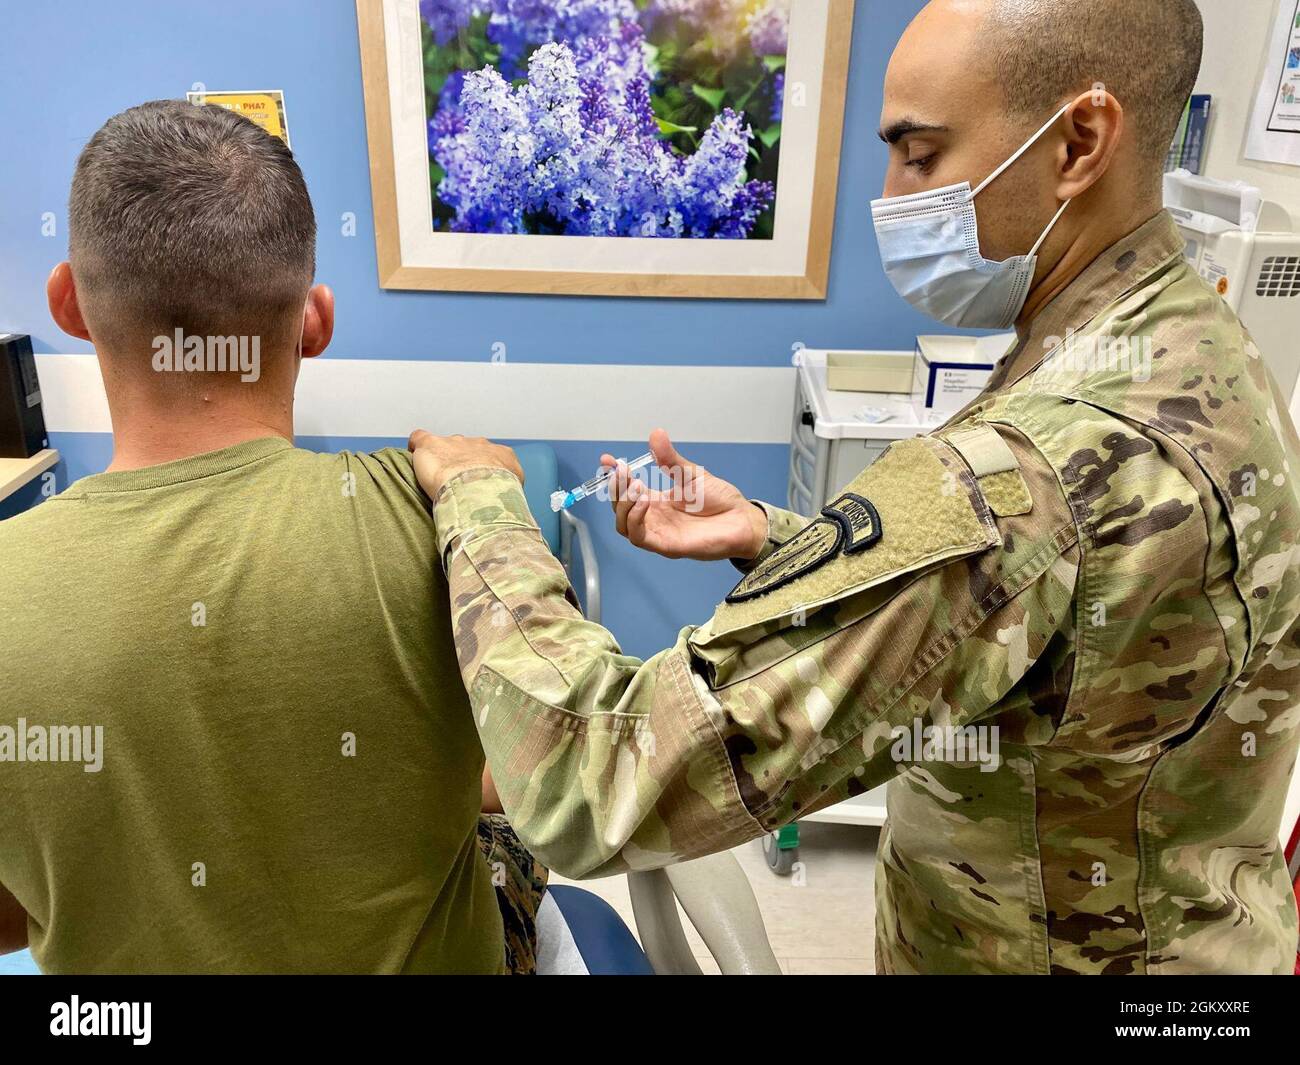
(68, 66)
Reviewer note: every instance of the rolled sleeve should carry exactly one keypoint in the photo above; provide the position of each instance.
(482, 500)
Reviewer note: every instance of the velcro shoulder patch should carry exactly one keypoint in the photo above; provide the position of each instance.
(995, 466)
(917, 506)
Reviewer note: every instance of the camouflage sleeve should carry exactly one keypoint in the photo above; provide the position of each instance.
(782, 525)
(785, 700)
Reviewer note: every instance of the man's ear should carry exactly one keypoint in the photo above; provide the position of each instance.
(1094, 126)
(318, 326)
(61, 293)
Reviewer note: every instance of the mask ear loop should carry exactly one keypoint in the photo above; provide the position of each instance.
(1015, 158)
(1024, 148)
(1048, 231)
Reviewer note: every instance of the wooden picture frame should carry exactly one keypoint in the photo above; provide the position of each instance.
(794, 264)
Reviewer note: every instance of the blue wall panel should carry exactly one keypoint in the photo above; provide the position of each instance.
(70, 65)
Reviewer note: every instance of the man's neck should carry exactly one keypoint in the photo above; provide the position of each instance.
(151, 434)
(1082, 253)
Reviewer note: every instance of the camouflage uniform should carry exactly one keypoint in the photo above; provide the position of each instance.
(1096, 560)
(520, 882)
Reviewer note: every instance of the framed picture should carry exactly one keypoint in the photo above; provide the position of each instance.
(685, 148)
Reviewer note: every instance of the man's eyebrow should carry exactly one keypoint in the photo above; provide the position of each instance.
(895, 132)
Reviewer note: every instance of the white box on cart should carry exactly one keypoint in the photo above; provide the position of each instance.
(951, 371)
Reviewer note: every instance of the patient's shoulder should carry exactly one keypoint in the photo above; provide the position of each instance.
(389, 471)
(41, 519)
(32, 540)
(389, 461)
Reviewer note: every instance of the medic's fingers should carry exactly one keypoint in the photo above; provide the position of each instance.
(636, 530)
(620, 489)
(617, 484)
(670, 460)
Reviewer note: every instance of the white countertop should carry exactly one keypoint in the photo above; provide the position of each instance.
(14, 473)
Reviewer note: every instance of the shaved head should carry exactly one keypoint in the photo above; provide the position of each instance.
(971, 82)
(1147, 54)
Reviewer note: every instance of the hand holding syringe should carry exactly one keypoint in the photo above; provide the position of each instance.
(696, 515)
(565, 500)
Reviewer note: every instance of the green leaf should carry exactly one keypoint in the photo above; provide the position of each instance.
(774, 62)
(770, 136)
(672, 127)
(712, 97)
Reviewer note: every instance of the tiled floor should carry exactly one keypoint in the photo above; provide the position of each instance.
(822, 920)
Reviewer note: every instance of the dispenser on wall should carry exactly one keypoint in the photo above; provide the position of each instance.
(1248, 249)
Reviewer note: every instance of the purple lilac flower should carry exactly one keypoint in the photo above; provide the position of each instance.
(447, 18)
(520, 25)
(572, 152)
(612, 75)
(615, 76)
(450, 94)
(714, 196)
(448, 120)
(778, 97)
(769, 28)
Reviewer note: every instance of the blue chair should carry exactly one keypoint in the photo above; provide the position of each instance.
(604, 944)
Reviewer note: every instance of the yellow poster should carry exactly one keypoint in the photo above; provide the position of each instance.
(265, 107)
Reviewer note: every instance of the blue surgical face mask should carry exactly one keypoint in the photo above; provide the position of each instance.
(930, 247)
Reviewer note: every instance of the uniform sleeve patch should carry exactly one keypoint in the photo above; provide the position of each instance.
(860, 520)
(806, 551)
(916, 507)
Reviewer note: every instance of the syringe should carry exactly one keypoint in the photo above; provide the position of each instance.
(565, 500)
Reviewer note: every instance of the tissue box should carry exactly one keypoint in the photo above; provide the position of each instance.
(870, 371)
(952, 371)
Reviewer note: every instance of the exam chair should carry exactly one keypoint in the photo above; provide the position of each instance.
(714, 891)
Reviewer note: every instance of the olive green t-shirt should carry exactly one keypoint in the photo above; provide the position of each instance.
(244, 741)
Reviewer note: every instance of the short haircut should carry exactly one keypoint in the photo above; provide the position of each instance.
(186, 216)
(1147, 53)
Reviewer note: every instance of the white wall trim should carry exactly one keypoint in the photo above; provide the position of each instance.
(508, 400)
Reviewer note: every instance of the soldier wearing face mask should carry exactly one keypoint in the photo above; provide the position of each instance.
(1098, 559)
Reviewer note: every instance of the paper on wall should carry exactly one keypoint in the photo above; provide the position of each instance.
(1274, 132)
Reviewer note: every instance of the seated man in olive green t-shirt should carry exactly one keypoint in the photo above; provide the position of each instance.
(233, 736)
